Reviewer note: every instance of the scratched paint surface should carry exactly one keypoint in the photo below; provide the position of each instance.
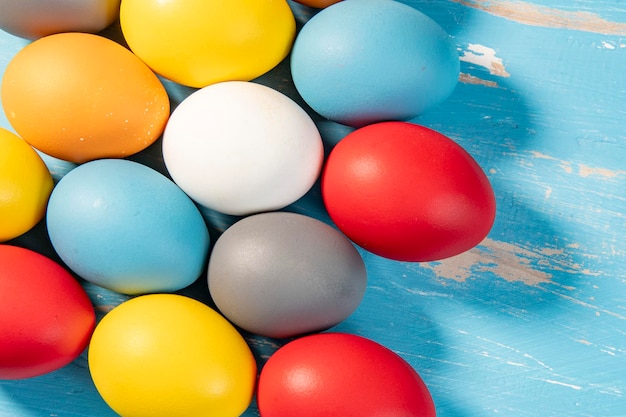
(532, 322)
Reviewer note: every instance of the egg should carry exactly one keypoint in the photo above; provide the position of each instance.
(46, 318)
(79, 97)
(340, 375)
(284, 274)
(240, 147)
(126, 227)
(319, 4)
(407, 192)
(200, 42)
(358, 62)
(170, 355)
(35, 18)
(25, 186)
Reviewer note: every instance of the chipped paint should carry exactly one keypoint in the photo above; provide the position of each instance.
(586, 171)
(510, 262)
(470, 79)
(543, 16)
(484, 56)
(548, 193)
(580, 169)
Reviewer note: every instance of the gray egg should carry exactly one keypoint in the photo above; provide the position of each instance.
(282, 274)
(33, 19)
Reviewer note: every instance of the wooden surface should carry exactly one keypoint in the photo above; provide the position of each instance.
(532, 322)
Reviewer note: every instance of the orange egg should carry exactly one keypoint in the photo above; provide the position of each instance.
(79, 97)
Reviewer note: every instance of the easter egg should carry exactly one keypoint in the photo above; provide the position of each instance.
(319, 4)
(170, 355)
(340, 375)
(25, 185)
(46, 318)
(126, 227)
(283, 274)
(35, 18)
(79, 97)
(240, 147)
(363, 61)
(407, 192)
(200, 42)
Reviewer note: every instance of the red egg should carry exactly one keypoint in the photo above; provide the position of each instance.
(340, 375)
(408, 193)
(46, 317)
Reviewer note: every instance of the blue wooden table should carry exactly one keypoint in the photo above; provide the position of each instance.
(532, 322)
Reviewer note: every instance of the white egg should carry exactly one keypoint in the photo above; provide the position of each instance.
(239, 148)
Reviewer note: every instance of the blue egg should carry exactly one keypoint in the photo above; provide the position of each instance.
(126, 227)
(363, 61)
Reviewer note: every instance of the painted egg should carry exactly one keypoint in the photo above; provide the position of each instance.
(126, 227)
(407, 192)
(200, 42)
(319, 4)
(79, 97)
(35, 18)
(239, 147)
(340, 375)
(284, 274)
(363, 61)
(25, 185)
(166, 354)
(46, 318)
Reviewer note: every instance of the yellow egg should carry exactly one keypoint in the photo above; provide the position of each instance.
(201, 42)
(170, 355)
(25, 185)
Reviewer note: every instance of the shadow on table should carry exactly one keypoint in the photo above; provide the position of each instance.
(67, 392)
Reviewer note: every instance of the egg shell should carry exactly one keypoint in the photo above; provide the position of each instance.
(46, 318)
(240, 148)
(319, 4)
(25, 186)
(126, 227)
(358, 62)
(340, 375)
(284, 274)
(35, 18)
(79, 97)
(170, 355)
(407, 192)
(201, 42)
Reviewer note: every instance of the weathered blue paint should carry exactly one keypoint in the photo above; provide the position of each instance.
(532, 322)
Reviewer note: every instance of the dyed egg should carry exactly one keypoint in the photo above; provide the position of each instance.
(239, 147)
(35, 18)
(79, 97)
(200, 42)
(25, 185)
(166, 354)
(340, 375)
(126, 227)
(319, 4)
(283, 274)
(46, 318)
(363, 61)
(406, 192)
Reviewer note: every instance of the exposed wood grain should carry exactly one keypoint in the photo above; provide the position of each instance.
(537, 15)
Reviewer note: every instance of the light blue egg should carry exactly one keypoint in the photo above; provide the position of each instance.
(126, 227)
(363, 61)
